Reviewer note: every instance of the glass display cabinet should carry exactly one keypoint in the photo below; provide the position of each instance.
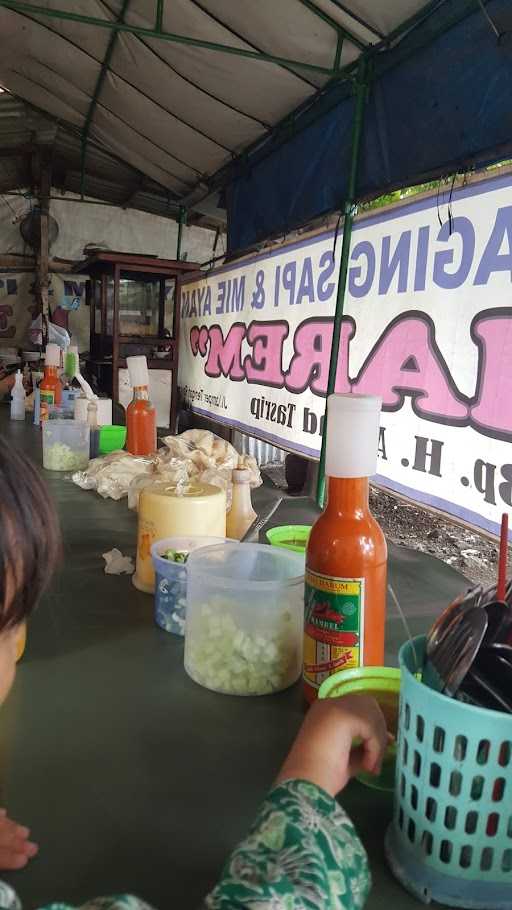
(134, 309)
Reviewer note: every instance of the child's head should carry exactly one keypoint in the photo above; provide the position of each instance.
(29, 550)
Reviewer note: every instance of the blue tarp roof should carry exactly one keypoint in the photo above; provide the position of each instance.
(437, 103)
(186, 99)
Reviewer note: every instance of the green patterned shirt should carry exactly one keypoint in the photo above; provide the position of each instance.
(302, 853)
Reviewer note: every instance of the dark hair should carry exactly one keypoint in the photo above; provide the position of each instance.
(30, 541)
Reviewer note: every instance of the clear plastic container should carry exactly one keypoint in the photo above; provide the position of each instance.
(245, 618)
(171, 580)
(65, 445)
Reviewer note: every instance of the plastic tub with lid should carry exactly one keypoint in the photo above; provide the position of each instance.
(65, 445)
(174, 510)
(245, 617)
(171, 579)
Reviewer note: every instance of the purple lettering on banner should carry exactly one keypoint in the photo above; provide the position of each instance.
(454, 279)
(492, 259)
(306, 284)
(309, 366)
(420, 274)
(289, 279)
(277, 279)
(361, 288)
(238, 294)
(200, 294)
(264, 365)
(207, 306)
(387, 372)
(491, 413)
(390, 263)
(225, 356)
(221, 296)
(325, 288)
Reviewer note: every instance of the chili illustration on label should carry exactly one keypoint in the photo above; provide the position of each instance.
(334, 626)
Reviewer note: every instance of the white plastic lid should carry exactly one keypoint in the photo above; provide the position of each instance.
(138, 370)
(52, 355)
(352, 435)
(72, 349)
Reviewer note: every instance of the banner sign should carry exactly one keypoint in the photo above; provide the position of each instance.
(427, 325)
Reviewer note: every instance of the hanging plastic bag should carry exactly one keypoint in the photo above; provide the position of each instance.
(56, 334)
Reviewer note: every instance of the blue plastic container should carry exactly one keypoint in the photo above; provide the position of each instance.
(171, 580)
(450, 840)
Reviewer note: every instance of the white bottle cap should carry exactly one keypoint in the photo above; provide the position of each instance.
(72, 349)
(240, 475)
(52, 356)
(352, 435)
(138, 371)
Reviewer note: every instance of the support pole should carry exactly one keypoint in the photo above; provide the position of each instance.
(159, 15)
(182, 219)
(349, 210)
(42, 255)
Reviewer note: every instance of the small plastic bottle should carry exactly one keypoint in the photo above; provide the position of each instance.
(346, 559)
(241, 514)
(140, 413)
(50, 389)
(18, 396)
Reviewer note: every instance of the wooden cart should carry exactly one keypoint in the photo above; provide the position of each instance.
(134, 309)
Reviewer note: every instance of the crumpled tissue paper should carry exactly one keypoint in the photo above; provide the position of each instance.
(117, 564)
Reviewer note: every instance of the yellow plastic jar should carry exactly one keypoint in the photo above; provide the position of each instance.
(168, 511)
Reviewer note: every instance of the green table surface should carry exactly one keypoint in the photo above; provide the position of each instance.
(131, 777)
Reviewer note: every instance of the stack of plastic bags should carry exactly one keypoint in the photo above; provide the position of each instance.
(197, 455)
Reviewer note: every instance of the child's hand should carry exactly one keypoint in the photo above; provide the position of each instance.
(323, 753)
(15, 847)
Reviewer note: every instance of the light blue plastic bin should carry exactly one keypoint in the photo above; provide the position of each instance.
(451, 836)
(171, 580)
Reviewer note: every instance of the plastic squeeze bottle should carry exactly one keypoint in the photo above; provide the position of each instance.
(18, 396)
(241, 514)
(346, 559)
(50, 389)
(140, 413)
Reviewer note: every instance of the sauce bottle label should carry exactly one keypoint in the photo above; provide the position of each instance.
(334, 626)
(47, 400)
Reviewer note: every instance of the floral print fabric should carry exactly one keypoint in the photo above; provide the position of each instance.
(302, 853)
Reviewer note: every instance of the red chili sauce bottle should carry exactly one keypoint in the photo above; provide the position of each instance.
(346, 559)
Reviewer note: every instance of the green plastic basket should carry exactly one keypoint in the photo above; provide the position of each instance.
(290, 537)
(112, 438)
(383, 683)
(451, 836)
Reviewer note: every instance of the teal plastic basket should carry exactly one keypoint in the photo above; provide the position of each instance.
(451, 836)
